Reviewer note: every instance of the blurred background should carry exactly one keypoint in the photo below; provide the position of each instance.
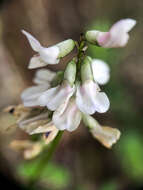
(80, 162)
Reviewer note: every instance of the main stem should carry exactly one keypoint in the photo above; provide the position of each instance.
(45, 159)
(80, 54)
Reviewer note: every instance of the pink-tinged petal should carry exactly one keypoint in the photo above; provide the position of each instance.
(86, 95)
(101, 71)
(44, 76)
(103, 38)
(67, 116)
(36, 62)
(123, 25)
(36, 46)
(118, 34)
(50, 55)
(54, 97)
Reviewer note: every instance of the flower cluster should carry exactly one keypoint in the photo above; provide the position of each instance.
(69, 96)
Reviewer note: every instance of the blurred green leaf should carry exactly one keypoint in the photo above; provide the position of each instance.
(112, 185)
(54, 175)
(131, 155)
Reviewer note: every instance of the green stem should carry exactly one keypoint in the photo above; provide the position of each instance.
(80, 55)
(45, 159)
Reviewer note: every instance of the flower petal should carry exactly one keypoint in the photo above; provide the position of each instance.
(101, 102)
(106, 135)
(43, 76)
(125, 24)
(36, 62)
(50, 55)
(54, 97)
(31, 125)
(50, 134)
(89, 99)
(85, 97)
(33, 42)
(30, 103)
(34, 91)
(118, 34)
(47, 128)
(101, 71)
(67, 116)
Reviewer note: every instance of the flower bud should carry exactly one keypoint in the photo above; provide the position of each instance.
(65, 47)
(70, 72)
(86, 71)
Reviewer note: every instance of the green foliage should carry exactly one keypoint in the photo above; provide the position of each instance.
(131, 155)
(111, 185)
(54, 175)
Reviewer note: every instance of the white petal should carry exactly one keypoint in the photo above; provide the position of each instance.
(123, 25)
(34, 92)
(101, 71)
(31, 103)
(67, 116)
(33, 42)
(36, 62)
(101, 102)
(44, 76)
(50, 55)
(54, 97)
(85, 97)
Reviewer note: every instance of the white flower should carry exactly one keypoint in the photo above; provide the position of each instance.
(116, 37)
(42, 79)
(87, 99)
(69, 101)
(101, 71)
(50, 55)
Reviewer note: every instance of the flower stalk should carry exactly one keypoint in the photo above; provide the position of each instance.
(47, 155)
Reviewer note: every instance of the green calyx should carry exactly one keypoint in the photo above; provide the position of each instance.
(70, 72)
(65, 47)
(86, 71)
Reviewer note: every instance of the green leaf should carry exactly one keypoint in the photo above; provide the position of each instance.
(53, 175)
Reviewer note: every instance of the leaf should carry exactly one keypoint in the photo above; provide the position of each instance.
(54, 175)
